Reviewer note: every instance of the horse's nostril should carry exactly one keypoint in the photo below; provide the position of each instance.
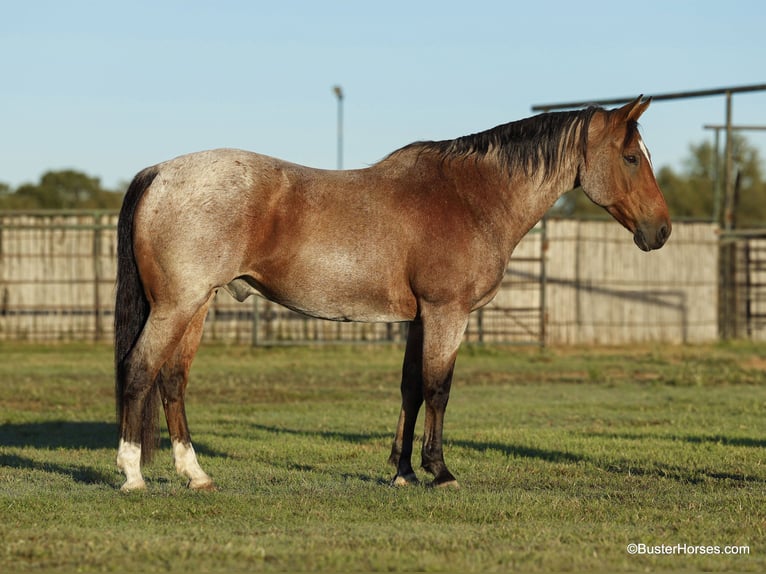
(662, 234)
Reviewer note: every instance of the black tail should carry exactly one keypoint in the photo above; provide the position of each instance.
(131, 311)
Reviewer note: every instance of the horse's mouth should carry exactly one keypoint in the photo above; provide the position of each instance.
(658, 240)
(640, 239)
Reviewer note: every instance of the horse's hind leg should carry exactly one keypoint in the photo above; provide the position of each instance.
(160, 336)
(172, 382)
(412, 399)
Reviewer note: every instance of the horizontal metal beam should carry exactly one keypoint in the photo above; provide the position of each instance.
(735, 128)
(655, 97)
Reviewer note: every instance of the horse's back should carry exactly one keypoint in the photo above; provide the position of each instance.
(323, 242)
(359, 245)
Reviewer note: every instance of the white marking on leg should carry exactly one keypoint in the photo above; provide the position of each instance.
(645, 151)
(186, 463)
(129, 462)
(405, 480)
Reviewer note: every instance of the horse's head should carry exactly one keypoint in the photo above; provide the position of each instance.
(617, 175)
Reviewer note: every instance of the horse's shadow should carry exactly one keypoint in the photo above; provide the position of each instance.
(59, 434)
(66, 435)
(623, 466)
(619, 466)
(54, 435)
(69, 435)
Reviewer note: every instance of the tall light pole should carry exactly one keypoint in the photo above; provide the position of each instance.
(338, 91)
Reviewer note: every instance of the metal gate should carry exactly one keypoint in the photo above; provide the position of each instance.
(742, 304)
(517, 314)
(754, 254)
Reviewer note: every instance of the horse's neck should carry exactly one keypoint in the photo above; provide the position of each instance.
(522, 200)
(536, 195)
(508, 204)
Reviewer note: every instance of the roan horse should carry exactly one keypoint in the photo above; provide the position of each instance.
(423, 236)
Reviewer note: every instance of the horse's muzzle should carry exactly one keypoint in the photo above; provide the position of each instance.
(648, 239)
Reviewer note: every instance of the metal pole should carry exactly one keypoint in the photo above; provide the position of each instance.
(256, 323)
(97, 273)
(728, 250)
(728, 168)
(338, 91)
(717, 181)
(655, 97)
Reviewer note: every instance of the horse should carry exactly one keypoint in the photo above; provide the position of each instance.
(423, 236)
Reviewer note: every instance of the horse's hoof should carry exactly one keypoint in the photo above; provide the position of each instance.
(133, 486)
(445, 480)
(406, 480)
(203, 485)
(446, 484)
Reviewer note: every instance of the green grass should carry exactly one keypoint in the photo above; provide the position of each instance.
(564, 457)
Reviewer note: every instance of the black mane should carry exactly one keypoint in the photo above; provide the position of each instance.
(528, 144)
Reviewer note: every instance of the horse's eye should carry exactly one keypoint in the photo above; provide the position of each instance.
(631, 159)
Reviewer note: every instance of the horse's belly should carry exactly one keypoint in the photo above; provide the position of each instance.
(349, 312)
(333, 300)
(336, 299)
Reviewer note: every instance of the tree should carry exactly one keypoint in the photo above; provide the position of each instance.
(695, 192)
(65, 189)
(692, 193)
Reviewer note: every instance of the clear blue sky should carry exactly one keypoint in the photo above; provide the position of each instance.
(111, 87)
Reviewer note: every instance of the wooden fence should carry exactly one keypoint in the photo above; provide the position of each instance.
(573, 282)
(57, 272)
(602, 289)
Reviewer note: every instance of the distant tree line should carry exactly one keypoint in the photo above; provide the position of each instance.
(691, 192)
(66, 189)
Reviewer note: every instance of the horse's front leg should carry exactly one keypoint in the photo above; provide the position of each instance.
(412, 399)
(443, 332)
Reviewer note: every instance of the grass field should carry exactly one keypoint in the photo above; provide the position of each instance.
(565, 457)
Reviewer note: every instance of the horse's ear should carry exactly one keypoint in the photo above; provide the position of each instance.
(633, 110)
(639, 108)
(598, 127)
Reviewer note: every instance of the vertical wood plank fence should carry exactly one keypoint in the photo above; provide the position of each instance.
(574, 282)
(57, 272)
